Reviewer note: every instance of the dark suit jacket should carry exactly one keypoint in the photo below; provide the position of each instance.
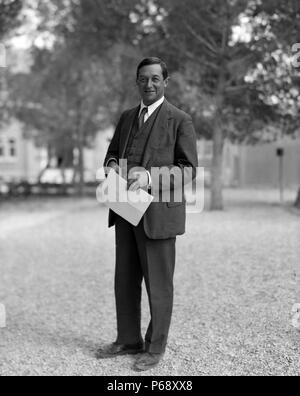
(171, 144)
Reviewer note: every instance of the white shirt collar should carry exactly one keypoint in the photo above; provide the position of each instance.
(153, 107)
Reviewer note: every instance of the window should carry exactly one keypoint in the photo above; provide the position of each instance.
(2, 151)
(12, 149)
(8, 149)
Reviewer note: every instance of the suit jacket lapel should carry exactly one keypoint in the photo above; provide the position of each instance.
(126, 130)
(159, 128)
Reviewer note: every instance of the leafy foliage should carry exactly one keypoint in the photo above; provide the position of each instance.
(9, 10)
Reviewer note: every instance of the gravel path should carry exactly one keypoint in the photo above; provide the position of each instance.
(238, 276)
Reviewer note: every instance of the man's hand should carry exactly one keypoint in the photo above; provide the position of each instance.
(138, 180)
(113, 165)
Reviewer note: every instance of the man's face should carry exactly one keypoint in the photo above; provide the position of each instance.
(151, 84)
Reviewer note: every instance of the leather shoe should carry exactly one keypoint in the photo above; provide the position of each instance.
(115, 350)
(147, 361)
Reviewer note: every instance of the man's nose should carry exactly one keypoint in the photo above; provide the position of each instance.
(149, 83)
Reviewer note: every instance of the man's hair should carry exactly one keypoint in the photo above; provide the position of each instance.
(153, 61)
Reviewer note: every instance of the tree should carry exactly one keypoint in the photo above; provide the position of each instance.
(197, 38)
(231, 66)
(9, 11)
(277, 76)
(61, 100)
(80, 83)
(286, 27)
(101, 30)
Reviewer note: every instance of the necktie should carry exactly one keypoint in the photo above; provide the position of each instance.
(142, 117)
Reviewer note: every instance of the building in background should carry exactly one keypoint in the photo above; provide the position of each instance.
(257, 166)
(20, 158)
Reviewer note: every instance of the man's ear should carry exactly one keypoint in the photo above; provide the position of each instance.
(166, 82)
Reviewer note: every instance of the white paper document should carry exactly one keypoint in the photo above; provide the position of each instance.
(130, 205)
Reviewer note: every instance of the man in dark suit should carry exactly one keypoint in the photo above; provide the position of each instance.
(154, 135)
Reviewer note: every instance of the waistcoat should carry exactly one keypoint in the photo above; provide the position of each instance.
(138, 139)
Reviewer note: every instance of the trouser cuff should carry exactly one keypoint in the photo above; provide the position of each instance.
(151, 348)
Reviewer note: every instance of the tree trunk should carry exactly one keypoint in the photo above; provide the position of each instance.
(217, 169)
(218, 138)
(80, 169)
(63, 174)
(297, 203)
(80, 162)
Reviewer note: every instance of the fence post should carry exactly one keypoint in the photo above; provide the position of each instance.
(280, 155)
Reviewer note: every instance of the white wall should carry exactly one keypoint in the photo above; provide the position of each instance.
(260, 165)
(94, 157)
(29, 159)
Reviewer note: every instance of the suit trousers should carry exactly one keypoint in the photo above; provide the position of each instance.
(138, 258)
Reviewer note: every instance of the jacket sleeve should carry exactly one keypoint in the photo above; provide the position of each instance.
(184, 169)
(113, 149)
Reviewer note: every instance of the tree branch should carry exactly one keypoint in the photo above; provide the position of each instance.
(208, 28)
(236, 88)
(201, 39)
